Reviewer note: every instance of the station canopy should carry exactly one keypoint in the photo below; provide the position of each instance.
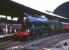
(10, 8)
(13, 9)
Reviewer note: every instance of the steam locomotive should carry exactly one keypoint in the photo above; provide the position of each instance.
(42, 26)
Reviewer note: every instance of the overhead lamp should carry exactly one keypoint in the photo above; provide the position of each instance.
(24, 18)
(9, 18)
(15, 19)
(2, 16)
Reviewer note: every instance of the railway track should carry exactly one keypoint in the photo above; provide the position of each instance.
(48, 41)
(51, 41)
(7, 44)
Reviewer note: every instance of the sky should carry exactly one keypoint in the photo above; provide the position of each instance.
(41, 5)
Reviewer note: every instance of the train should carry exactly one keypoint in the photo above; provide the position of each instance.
(36, 27)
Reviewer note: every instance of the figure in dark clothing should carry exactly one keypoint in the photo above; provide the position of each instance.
(65, 46)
